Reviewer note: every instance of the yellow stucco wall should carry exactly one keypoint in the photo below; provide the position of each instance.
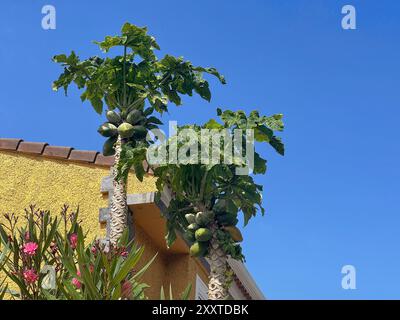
(49, 183)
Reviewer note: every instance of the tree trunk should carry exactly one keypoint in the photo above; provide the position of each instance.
(119, 207)
(217, 286)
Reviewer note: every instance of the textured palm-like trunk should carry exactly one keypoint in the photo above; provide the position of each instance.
(119, 207)
(217, 285)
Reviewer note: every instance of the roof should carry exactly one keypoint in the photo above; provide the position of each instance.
(58, 152)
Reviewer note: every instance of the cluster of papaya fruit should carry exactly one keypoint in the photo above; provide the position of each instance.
(130, 124)
(199, 234)
(227, 220)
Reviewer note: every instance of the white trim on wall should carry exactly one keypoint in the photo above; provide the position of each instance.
(201, 289)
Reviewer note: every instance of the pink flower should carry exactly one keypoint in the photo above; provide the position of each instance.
(30, 276)
(94, 250)
(124, 254)
(91, 268)
(76, 283)
(30, 248)
(73, 240)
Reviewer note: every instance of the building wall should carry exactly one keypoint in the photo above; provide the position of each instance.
(168, 269)
(50, 183)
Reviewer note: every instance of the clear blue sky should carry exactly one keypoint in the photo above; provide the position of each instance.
(334, 198)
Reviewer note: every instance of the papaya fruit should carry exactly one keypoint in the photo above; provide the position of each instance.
(113, 117)
(125, 130)
(203, 218)
(225, 205)
(219, 206)
(108, 147)
(190, 218)
(203, 234)
(107, 130)
(198, 249)
(235, 233)
(227, 219)
(139, 132)
(210, 215)
(189, 236)
(193, 227)
(134, 117)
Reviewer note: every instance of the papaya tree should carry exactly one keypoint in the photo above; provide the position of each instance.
(209, 196)
(129, 87)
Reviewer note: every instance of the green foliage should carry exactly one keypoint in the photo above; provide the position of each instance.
(215, 190)
(128, 82)
(132, 157)
(184, 295)
(25, 250)
(81, 272)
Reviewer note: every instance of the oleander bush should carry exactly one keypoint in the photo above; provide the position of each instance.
(47, 258)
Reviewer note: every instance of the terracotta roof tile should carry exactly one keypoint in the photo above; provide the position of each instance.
(31, 147)
(104, 161)
(9, 144)
(83, 155)
(57, 152)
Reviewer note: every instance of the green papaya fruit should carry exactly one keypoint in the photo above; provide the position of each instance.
(134, 117)
(189, 236)
(139, 132)
(190, 218)
(107, 130)
(193, 227)
(198, 249)
(108, 147)
(220, 206)
(125, 130)
(203, 234)
(199, 218)
(113, 117)
(235, 233)
(210, 215)
(225, 205)
(203, 219)
(227, 219)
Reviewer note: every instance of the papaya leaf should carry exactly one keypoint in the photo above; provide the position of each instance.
(274, 122)
(97, 104)
(154, 120)
(263, 134)
(277, 144)
(260, 164)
